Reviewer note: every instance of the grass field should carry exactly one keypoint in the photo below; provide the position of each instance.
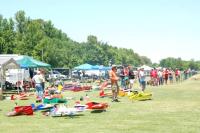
(174, 109)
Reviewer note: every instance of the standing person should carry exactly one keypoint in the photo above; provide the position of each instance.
(42, 72)
(142, 79)
(170, 73)
(126, 77)
(166, 75)
(177, 75)
(138, 76)
(106, 74)
(114, 83)
(160, 76)
(151, 77)
(122, 78)
(131, 78)
(79, 74)
(38, 79)
(155, 77)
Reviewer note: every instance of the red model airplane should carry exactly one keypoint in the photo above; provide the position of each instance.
(96, 106)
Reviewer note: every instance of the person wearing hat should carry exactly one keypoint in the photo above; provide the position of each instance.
(114, 83)
(38, 79)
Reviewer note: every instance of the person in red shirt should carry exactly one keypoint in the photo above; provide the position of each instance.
(166, 75)
(151, 74)
(154, 76)
(177, 75)
(114, 83)
(126, 77)
(126, 71)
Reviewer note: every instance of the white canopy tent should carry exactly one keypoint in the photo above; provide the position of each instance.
(6, 63)
(146, 68)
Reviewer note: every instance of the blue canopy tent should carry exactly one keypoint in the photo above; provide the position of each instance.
(29, 62)
(84, 67)
(96, 67)
(101, 67)
(91, 67)
(105, 68)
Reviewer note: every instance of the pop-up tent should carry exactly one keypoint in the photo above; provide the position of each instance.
(84, 67)
(25, 61)
(146, 68)
(8, 63)
(5, 64)
(96, 67)
(104, 68)
(29, 62)
(91, 67)
(101, 67)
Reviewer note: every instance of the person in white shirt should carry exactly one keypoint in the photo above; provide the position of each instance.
(160, 75)
(142, 79)
(38, 79)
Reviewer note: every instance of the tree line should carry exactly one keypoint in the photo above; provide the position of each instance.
(43, 41)
(174, 63)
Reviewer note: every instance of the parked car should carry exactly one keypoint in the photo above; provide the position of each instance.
(75, 74)
(56, 74)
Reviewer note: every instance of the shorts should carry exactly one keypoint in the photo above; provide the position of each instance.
(115, 86)
(143, 83)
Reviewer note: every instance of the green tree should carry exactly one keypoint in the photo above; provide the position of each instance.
(43, 41)
(7, 35)
(20, 21)
(92, 39)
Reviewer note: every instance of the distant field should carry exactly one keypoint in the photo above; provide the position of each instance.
(174, 109)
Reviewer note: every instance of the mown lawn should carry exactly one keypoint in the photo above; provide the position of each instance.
(174, 109)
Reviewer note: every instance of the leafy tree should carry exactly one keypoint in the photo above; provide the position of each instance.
(20, 21)
(40, 39)
(145, 60)
(7, 35)
(179, 63)
(193, 65)
(92, 39)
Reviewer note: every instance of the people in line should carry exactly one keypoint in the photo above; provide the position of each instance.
(128, 77)
(158, 76)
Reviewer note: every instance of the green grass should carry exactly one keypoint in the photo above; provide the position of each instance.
(174, 109)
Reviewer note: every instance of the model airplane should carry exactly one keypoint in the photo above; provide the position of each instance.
(96, 106)
(62, 110)
(21, 110)
(140, 96)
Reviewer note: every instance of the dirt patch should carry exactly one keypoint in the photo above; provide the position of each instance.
(195, 77)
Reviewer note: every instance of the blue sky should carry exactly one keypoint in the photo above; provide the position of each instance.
(153, 28)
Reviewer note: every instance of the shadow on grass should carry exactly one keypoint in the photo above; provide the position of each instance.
(74, 116)
(69, 116)
(98, 111)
